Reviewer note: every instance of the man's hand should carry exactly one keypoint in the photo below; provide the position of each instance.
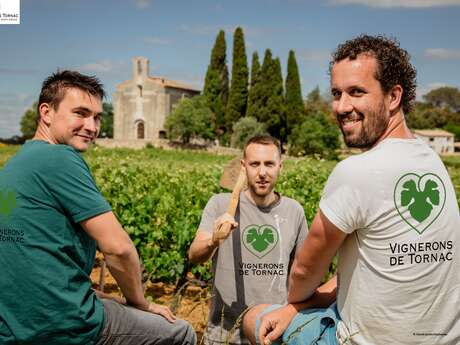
(162, 310)
(157, 309)
(223, 226)
(273, 324)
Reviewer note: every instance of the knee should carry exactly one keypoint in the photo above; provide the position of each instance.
(185, 333)
(249, 321)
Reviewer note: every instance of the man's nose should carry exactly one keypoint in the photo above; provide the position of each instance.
(262, 170)
(344, 104)
(90, 124)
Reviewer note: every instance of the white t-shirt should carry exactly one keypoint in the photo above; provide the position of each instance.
(399, 267)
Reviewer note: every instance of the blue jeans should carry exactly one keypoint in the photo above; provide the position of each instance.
(309, 327)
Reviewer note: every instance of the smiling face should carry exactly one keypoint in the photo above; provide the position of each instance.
(76, 121)
(262, 163)
(359, 103)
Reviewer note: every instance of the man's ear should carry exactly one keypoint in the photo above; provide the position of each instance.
(395, 95)
(44, 110)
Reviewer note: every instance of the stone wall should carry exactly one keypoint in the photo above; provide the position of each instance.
(164, 144)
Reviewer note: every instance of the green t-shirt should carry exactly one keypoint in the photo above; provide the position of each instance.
(45, 255)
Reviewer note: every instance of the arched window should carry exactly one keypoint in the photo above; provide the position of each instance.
(140, 130)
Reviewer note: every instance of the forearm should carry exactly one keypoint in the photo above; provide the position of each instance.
(201, 250)
(323, 297)
(304, 281)
(125, 268)
(313, 259)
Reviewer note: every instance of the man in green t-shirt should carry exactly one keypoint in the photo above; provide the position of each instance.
(52, 216)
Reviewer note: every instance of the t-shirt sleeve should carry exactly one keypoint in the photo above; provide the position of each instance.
(72, 185)
(210, 213)
(342, 201)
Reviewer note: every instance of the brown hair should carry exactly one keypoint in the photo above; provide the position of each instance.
(262, 140)
(393, 65)
(54, 87)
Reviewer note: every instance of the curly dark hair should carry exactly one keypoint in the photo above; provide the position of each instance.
(394, 67)
(54, 87)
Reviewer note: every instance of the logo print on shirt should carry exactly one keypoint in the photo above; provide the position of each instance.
(7, 203)
(419, 200)
(260, 240)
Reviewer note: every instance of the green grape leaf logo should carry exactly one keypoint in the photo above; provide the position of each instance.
(7, 203)
(419, 200)
(260, 240)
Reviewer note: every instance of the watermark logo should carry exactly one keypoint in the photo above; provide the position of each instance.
(10, 12)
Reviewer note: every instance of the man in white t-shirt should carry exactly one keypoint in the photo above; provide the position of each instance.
(391, 213)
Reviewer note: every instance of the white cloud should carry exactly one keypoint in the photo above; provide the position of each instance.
(314, 55)
(442, 54)
(104, 67)
(398, 3)
(143, 3)
(156, 41)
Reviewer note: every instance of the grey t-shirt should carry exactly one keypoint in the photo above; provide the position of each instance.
(252, 265)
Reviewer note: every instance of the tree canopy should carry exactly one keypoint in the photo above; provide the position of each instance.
(191, 119)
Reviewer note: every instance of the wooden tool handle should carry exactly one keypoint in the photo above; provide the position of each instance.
(236, 192)
(226, 227)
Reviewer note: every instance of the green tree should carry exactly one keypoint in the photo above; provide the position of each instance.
(29, 122)
(276, 122)
(295, 109)
(191, 119)
(216, 82)
(269, 99)
(316, 135)
(107, 121)
(261, 90)
(245, 128)
(444, 97)
(425, 115)
(254, 86)
(238, 97)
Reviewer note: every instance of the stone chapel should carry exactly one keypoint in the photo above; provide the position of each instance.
(142, 104)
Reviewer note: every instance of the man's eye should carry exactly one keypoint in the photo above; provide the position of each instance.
(356, 92)
(335, 94)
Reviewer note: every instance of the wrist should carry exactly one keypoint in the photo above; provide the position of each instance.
(212, 244)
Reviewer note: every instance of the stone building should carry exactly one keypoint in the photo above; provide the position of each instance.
(439, 140)
(142, 104)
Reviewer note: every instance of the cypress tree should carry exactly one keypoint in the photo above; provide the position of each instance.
(255, 86)
(216, 82)
(238, 97)
(262, 90)
(275, 104)
(295, 110)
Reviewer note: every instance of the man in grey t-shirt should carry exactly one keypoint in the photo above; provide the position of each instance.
(251, 266)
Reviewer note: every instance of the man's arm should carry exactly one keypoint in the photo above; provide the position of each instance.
(309, 267)
(204, 243)
(313, 259)
(122, 260)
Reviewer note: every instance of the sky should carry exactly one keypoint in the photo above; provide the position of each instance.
(100, 37)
